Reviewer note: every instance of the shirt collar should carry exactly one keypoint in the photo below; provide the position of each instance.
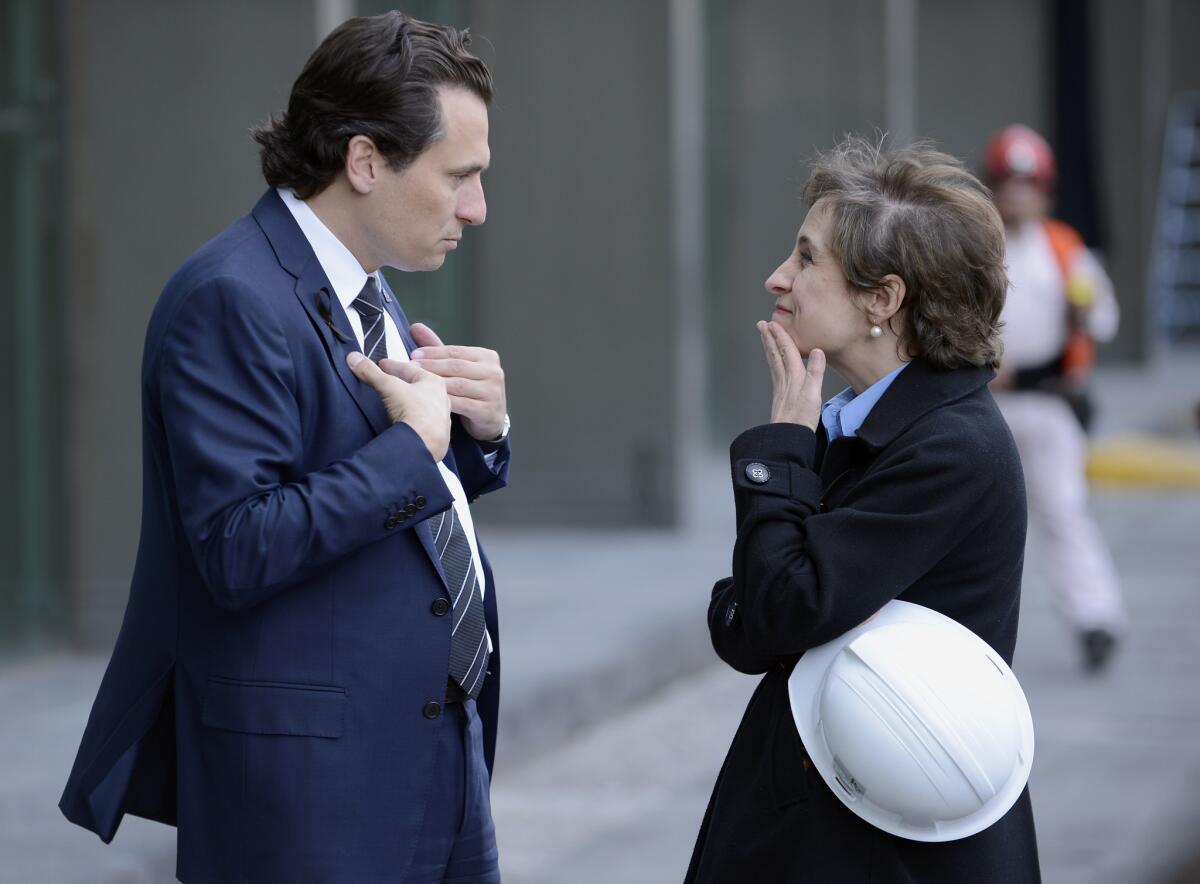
(345, 274)
(844, 413)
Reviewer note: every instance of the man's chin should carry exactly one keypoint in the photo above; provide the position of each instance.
(432, 262)
(435, 259)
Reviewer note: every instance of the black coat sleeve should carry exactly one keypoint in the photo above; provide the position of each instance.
(802, 576)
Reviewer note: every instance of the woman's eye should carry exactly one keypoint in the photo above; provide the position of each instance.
(805, 258)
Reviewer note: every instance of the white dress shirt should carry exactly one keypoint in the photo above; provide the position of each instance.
(347, 277)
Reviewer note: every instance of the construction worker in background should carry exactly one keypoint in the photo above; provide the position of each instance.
(1060, 303)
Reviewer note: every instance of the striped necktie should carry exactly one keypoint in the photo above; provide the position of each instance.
(369, 305)
(468, 637)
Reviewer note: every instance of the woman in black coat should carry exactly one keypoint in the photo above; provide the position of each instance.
(906, 485)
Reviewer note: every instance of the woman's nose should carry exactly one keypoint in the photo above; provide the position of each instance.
(779, 282)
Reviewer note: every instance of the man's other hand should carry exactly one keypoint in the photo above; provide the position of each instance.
(474, 380)
(411, 395)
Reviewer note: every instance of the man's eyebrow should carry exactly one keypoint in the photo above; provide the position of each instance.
(471, 169)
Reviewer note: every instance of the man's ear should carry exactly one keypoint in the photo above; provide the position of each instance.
(362, 164)
(886, 300)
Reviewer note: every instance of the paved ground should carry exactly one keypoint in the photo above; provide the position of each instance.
(615, 718)
(1116, 782)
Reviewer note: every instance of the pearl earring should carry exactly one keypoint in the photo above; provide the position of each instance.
(876, 331)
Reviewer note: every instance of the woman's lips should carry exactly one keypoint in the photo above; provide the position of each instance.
(783, 310)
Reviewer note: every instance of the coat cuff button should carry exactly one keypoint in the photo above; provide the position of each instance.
(757, 473)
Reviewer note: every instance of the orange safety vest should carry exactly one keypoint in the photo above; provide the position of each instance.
(1079, 353)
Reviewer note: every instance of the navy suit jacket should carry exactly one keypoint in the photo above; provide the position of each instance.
(270, 691)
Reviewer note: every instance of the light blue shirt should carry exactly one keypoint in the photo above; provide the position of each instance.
(844, 413)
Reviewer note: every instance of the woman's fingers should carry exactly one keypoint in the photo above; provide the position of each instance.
(789, 356)
(816, 368)
(774, 363)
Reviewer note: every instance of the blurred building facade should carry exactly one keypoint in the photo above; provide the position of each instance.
(647, 161)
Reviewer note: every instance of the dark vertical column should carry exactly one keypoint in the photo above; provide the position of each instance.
(32, 536)
(1133, 43)
(1074, 134)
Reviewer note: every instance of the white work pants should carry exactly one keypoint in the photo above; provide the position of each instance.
(1078, 565)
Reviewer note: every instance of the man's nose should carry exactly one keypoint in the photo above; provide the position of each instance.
(473, 207)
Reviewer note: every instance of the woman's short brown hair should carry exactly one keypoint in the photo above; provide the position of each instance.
(919, 214)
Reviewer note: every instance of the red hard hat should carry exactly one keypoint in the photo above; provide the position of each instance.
(1019, 152)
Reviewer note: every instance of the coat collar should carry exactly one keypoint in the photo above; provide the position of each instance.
(918, 390)
(287, 240)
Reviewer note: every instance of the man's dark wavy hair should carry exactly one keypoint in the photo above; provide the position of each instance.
(375, 76)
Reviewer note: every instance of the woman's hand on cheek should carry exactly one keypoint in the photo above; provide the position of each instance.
(797, 388)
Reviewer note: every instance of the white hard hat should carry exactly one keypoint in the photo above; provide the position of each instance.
(915, 723)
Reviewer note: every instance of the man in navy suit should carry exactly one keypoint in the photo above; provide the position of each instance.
(306, 680)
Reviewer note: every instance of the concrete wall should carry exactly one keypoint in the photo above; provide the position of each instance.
(982, 66)
(160, 98)
(566, 281)
(788, 79)
(798, 76)
(573, 279)
(569, 277)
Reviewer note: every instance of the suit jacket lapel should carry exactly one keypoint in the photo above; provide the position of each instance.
(315, 294)
(329, 319)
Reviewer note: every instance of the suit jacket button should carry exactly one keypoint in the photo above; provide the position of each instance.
(411, 509)
(440, 607)
(757, 473)
(432, 709)
(390, 522)
(420, 502)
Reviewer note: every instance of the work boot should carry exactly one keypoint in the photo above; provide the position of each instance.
(1098, 648)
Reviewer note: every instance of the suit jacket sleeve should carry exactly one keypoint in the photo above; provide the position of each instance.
(802, 576)
(228, 396)
(473, 471)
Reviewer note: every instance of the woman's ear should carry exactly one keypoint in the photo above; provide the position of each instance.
(886, 300)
